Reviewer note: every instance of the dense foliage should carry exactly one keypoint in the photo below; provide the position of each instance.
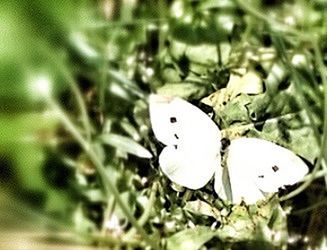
(77, 153)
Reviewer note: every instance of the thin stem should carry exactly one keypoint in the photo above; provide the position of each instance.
(107, 214)
(301, 99)
(315, 175)
(106, 181)
(80, 102)
(75, 90)
(323, 73)
(147, 212)
(308, 209)
(280, 46)
(308, 180)
(323, 142)
(126, 83)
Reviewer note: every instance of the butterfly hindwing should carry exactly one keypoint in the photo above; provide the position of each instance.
(186, 168)
(256, 164)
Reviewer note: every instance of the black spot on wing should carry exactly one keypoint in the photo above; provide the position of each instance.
(275, 168)
(176, 136)
(173, 119)
(261, 176)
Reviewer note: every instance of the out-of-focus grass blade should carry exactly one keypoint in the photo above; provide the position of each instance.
(126, 83)
(125, 144)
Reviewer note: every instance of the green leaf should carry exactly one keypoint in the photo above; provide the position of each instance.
(190, 239)
(277, 118)
(185, 90)
(258, 223)
(292, 131)
(125, 144)
(202, 208)
(126, 83)
(238, 227)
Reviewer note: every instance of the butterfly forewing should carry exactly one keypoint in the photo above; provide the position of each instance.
(163, 119)
(192, 139)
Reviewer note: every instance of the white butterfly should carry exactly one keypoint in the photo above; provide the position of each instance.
(192, 156)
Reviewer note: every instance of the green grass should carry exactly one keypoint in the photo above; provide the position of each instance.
(77, 158)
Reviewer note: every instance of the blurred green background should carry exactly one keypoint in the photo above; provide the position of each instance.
(74, 77)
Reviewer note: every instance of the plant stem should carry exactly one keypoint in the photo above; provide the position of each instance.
(107, 214)
(322, 202)
(75, 90)
(323, 73)
(147, 212)
(315, 175)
